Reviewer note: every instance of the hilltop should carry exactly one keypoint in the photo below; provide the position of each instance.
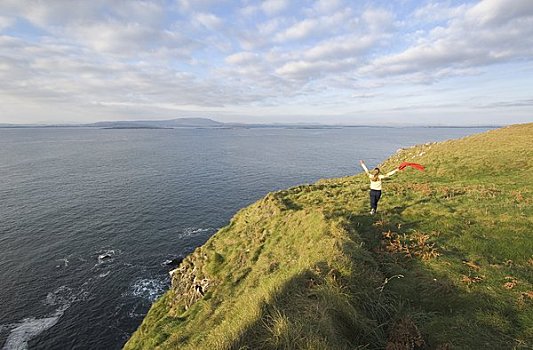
(446, 263)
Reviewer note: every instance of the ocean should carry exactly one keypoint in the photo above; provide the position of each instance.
(89, 216)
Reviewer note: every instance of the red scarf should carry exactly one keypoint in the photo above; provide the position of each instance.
(412, 165)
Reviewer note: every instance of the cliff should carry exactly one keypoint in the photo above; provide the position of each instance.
(445, 264)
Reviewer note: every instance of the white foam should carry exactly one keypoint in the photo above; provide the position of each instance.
(27, 329)
(148, 288)
(65, 262)
(62, 296)
(194, 231)
(104, 274)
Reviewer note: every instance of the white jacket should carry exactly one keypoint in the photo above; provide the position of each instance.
(376, 185)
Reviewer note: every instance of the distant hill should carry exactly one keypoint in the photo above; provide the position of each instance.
(131, 124)
(171, 123)
(445, 264)
(210, 123)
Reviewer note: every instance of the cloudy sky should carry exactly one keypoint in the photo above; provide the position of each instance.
(327, 61)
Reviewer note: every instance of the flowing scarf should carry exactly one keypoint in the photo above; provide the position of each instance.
(412, 165)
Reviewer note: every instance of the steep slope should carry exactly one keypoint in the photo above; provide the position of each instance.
(447, 263)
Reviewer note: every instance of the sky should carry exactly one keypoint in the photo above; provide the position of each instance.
(309, 61)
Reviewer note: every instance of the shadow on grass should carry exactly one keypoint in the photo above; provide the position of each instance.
(290, 204)
(313, 310)
(448, 314)
(399, 209)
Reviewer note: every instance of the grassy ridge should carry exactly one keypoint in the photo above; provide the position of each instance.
(447, 263)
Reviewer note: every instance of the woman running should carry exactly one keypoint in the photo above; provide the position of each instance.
(375, 185)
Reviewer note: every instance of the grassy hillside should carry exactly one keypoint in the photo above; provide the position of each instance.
(446, 264)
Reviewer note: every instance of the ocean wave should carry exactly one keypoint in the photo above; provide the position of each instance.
(23, 331)
(65, 262)
(148, 288)
(104, 274)
(63, 297)
(195, 231)
(26, 329)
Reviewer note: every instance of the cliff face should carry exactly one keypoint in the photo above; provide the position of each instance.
(446, 262)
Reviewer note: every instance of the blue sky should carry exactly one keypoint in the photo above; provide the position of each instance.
(325, 61)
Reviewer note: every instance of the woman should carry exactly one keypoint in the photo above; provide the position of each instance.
(375, 185)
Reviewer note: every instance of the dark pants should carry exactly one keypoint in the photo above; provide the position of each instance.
(374, 199)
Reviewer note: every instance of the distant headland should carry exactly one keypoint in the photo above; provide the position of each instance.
(211, 123)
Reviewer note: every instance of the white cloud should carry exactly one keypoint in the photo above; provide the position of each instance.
(498, 12)
(113, 37)
(305, 70)
(242, 58)
(272, 7)
(378, 20)
(342, 46)
(59, 13)
(6, 22)
(128, 27)
(61, 74)
(126, 56)
(477, 37)
(271, 26)
(300, 30)
(248, 10)
(143, 12)
(317, 27)
(509, 104)
(200, 5)
(438, 11)
(208, 20)
(326, 6)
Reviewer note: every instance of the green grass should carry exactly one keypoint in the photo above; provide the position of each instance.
(447, 263)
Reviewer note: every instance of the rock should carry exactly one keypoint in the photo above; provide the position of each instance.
(189, 284)
(174, 261)
(104, 256)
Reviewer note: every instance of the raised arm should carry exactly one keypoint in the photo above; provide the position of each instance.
(390, 173)
(364, 167)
